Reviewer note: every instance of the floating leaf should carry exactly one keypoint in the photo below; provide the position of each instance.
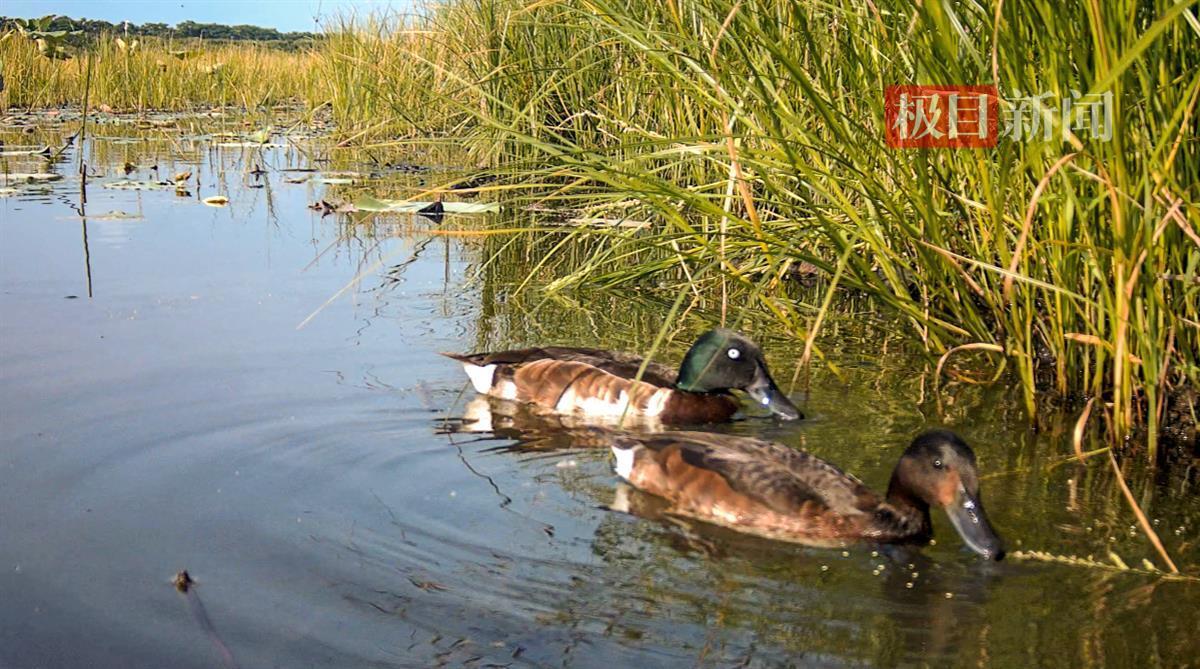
(114, 215)
(368, 203)
(249, 145)
(260, 136)
(45, 151)
(216, 201)
(134, 184)
(36, 177)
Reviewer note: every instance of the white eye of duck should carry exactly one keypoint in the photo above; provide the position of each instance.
(734, 354)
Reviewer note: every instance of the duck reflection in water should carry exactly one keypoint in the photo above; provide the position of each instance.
(933, 608)
(771, 490)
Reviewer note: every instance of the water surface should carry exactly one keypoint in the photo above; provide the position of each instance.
(161, 410)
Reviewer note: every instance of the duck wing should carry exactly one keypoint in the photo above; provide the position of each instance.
(786, 480)
(623, 365)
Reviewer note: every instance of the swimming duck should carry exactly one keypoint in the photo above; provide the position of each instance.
(768, 489)
(596, 383)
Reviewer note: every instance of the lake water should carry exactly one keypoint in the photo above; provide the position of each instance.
(161, 410)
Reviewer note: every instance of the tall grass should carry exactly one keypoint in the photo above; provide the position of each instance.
(751, 134)
(155, 74)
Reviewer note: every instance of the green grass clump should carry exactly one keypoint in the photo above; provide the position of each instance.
(751, 135)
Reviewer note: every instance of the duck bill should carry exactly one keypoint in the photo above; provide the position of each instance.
(767, 395)
(968, 517)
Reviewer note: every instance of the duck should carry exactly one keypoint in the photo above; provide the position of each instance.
(597, 383)
(768, 489)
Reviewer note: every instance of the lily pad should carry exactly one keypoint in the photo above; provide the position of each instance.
(260, 136)
(134, 184)
(122, 140)
(249, 145)
(114, 215)
(368, 203)
(36, 177)
(27, 152)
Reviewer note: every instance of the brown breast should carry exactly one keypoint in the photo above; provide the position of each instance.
(684, 408)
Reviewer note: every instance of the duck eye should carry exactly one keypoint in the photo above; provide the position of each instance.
(734, 354)
(937, 464)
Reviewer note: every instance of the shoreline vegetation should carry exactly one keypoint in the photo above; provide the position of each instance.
(750, 135)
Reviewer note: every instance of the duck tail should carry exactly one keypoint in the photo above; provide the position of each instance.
(482, 376)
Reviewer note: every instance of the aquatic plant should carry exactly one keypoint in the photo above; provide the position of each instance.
(752, 135)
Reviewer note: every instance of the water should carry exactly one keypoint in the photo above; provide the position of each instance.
(321, 487)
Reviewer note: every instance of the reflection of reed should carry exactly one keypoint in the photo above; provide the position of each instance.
(87, 254)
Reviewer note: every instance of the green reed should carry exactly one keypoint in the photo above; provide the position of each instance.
(750, 135)
(155, 74)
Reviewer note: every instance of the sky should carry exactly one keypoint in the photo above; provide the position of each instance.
(283, 15)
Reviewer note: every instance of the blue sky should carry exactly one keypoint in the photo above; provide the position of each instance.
(283, 15)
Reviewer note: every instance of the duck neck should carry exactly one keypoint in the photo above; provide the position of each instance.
(914, 509)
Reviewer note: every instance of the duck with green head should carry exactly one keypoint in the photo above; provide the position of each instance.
(604, 384)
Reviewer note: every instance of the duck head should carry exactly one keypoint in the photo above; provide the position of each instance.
(722, 360)
(938, 470)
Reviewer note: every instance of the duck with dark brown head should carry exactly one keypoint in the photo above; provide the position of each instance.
(769, 489)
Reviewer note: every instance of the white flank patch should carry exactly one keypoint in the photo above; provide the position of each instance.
(596, 407)
(481, 376)
(624, 465)
(658, 402)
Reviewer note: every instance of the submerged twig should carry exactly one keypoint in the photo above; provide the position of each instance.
(1141, 517)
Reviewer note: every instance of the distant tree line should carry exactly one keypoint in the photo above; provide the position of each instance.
(213, 31)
